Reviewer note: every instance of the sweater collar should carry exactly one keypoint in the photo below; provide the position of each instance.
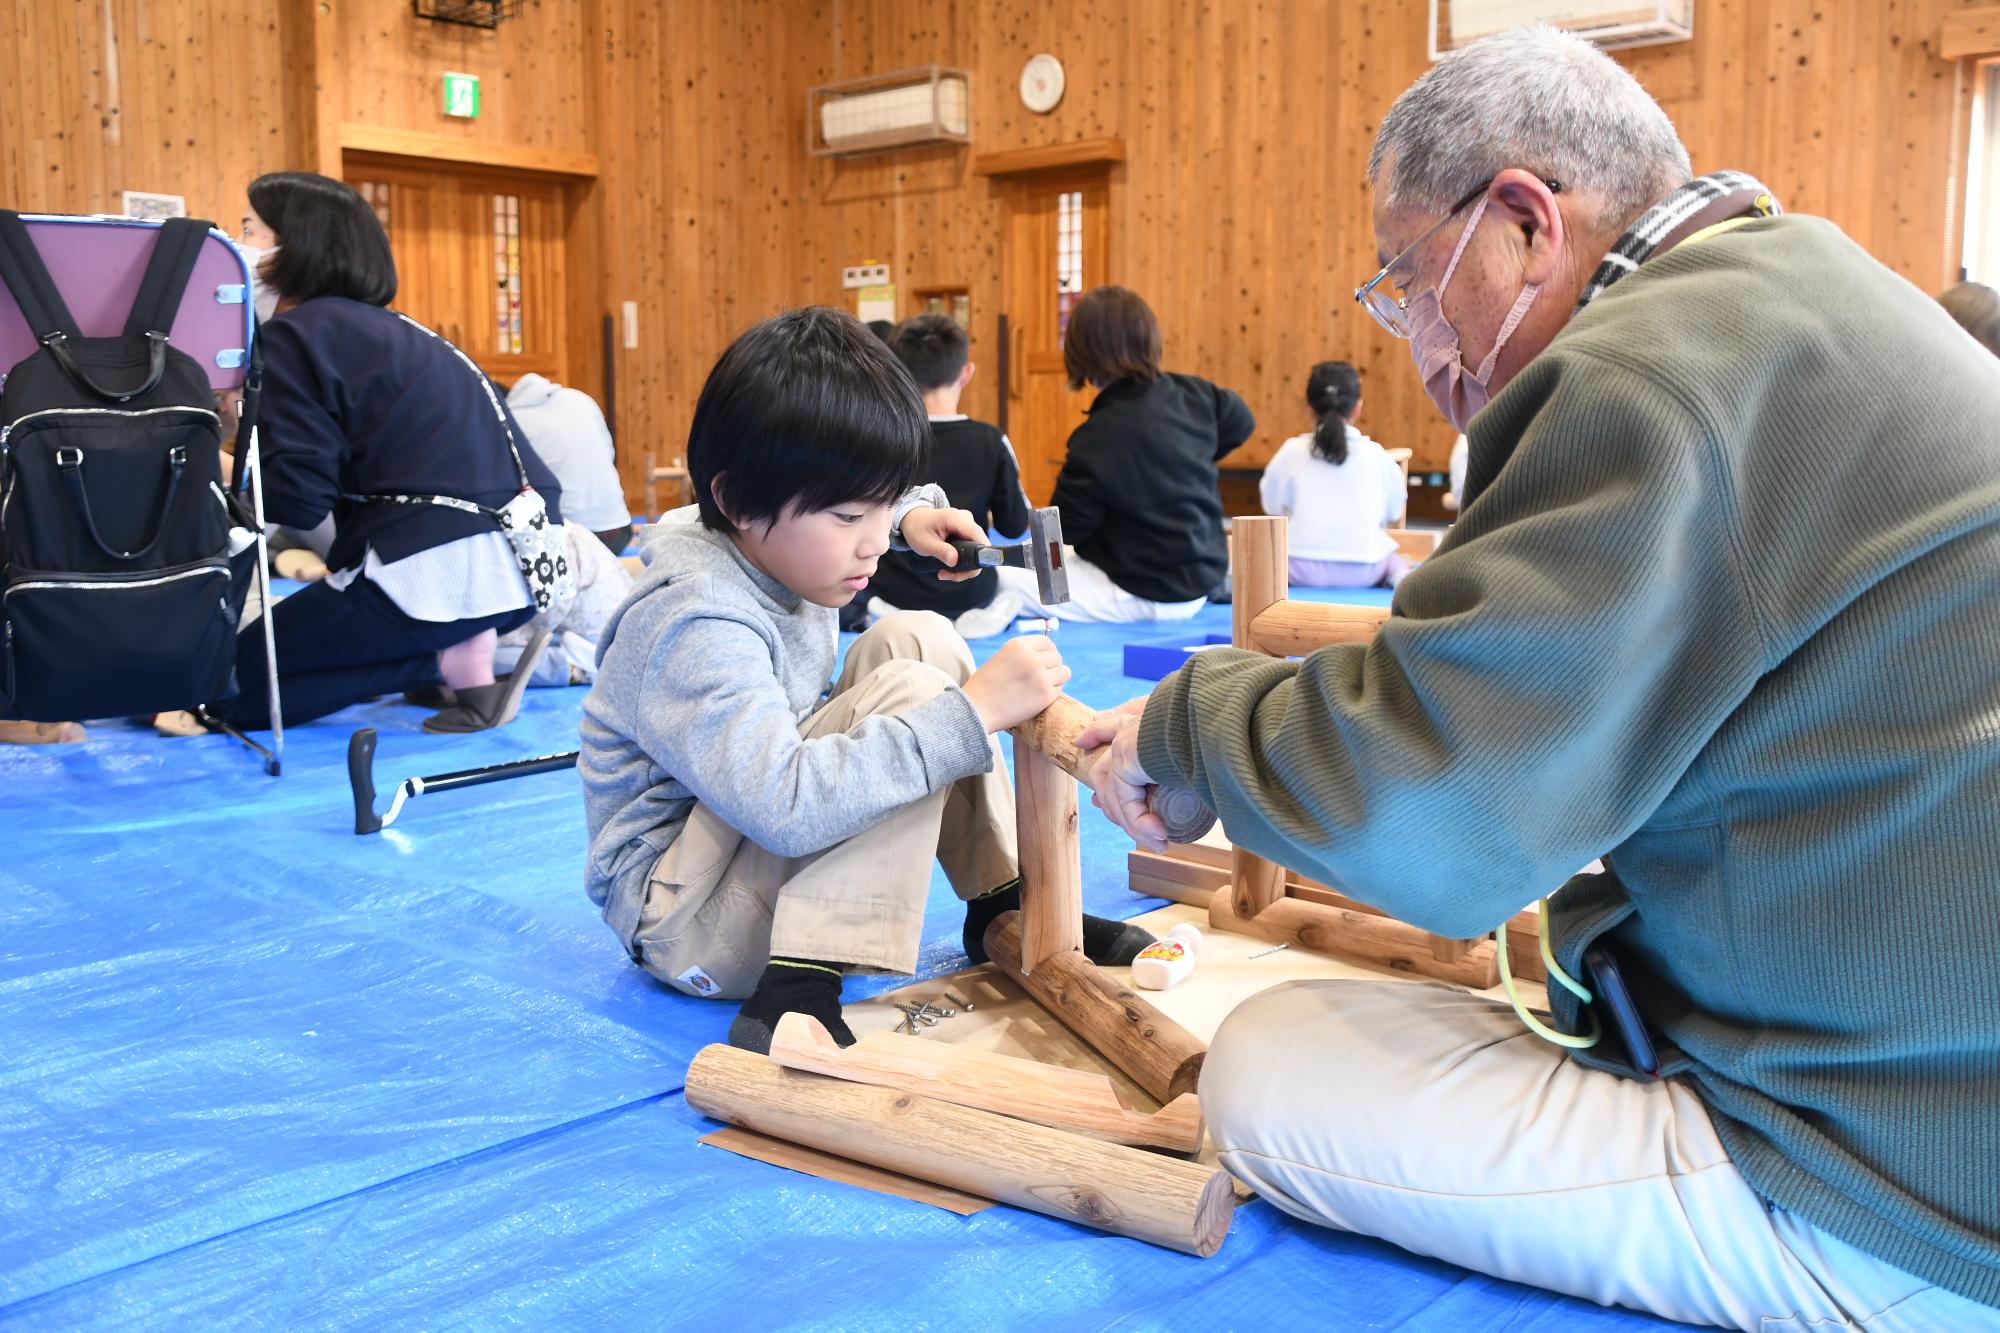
(1702, 202)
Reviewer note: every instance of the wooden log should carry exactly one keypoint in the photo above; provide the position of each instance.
(1258, 573)
(1377, 941)
(1258, 883)
(1078, 1100)
(1296, 629)
(1053, 733)
(1104, 1185)
(1045, 813)
(1157, 1053)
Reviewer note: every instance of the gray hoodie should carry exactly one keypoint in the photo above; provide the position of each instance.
(704, 675)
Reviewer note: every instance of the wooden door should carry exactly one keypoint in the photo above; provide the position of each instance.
(1055, 233)
(480, 258)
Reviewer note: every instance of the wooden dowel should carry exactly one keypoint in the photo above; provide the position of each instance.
(1053, 733)
(1157, 1053)
(1378, 941)
(1079, 1100)
(1045, 811)
(1104, 1185)
(1295, 629)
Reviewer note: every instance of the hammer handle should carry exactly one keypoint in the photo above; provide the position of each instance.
(1053, 733)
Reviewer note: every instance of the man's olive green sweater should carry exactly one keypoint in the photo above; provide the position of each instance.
(1724, 608)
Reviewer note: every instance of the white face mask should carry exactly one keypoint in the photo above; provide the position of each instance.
(263, 297)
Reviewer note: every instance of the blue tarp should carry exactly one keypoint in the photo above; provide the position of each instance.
(261, 1072)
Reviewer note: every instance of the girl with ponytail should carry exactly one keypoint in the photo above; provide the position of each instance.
(1340, 489)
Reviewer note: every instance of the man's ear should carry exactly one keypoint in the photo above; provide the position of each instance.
(1525, 202)
(965, 376)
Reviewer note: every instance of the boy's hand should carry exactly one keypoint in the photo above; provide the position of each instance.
(931, 531)
(1017, 682)
(1118, 780)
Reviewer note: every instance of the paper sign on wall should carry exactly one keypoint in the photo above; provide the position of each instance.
(878, 302)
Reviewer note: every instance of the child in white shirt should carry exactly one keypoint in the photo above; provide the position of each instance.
(1339, 488)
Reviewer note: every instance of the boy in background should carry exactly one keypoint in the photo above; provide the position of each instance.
(975, 465)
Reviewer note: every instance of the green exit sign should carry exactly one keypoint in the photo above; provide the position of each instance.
(461, 95)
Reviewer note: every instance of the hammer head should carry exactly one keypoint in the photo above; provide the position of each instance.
(1046, 550)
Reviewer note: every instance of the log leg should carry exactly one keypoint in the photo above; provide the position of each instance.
(1159, 1054)
(1045, 814)
(1258, 882)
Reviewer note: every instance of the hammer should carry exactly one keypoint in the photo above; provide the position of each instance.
(1042, 552)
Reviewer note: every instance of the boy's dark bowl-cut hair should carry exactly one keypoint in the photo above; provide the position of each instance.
(1112, 335)
(805, 411)
(330, 243)
(933, 348)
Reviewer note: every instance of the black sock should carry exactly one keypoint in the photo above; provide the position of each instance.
(790, 986)
(1106, 943)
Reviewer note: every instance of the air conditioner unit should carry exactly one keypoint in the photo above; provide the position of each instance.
(930, 104)
(1611, 24)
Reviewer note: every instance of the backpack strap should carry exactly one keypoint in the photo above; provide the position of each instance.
(21, 268)
(167, 274)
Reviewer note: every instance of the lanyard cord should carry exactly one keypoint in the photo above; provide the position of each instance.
(1535, 1025)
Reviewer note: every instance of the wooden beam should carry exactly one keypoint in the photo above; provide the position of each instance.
(1295, 629)
(1257, 572)
(1159, 1054)
(1113, 1188)
(1074, 1099)
(449, 148)
(1019, 161)
(1377, 941)
(313, 85)
(1970, 32)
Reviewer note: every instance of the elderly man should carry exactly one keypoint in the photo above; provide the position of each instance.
(1701, 617)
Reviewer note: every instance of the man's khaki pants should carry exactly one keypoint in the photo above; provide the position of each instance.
(1430, 1117)
(718, 906)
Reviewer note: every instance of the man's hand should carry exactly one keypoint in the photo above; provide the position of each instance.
(1017, 682)
(1118, 779)
(931, 532)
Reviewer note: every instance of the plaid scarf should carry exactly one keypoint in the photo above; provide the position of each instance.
(1657, 223)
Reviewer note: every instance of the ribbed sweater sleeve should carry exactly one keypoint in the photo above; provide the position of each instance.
(1545, 680)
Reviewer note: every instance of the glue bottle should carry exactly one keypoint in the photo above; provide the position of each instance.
(1164, 962)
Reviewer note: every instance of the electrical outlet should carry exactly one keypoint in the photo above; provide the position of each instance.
(864, 275)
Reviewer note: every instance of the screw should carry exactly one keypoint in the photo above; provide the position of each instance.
(1273, 949)
(963, 1004)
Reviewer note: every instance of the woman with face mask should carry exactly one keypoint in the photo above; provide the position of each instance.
(389, 444)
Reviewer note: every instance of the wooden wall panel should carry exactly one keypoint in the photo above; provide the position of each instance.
(183, 98)
(1241, 210)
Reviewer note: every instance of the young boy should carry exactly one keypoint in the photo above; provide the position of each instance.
(974, 464)
(751, 835)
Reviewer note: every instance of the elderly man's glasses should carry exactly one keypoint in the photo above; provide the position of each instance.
(1382, 295)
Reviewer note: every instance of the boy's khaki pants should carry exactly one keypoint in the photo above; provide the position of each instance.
(718, 906)
(1431, 1118)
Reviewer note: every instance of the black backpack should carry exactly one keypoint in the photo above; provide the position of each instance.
(114, 527)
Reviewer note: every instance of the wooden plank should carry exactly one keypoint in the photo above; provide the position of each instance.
(1377, 941)
(360, 138)
(1108, 1186)
(1159, 1054)
(826, 1166)
(1970, 32)
(1077, 1100)
(1019, 161)
(1296, 629)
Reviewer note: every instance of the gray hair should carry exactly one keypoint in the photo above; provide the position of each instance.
(1536, 98)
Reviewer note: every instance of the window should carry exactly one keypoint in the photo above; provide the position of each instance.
(376, 193)
(1069, 256)
(507, 273)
